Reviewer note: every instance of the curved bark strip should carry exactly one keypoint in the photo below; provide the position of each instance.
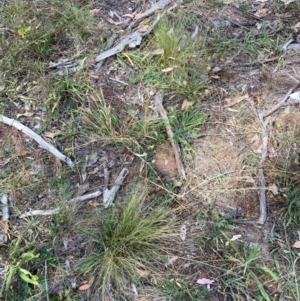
(42, 143)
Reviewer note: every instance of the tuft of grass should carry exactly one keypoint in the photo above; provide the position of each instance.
(169, 60)
(105, 124)
(38, 30)
(187, 127)
(293, 206)
(126, 242)
(66, 92)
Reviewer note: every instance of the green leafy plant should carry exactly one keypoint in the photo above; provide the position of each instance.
(18, 264)
(66, 92)
(244, 269)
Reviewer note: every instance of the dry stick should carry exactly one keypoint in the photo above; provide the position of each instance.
(5, 218)
(57, 210)
(110, 194)
(281, 103)
(163, 113)
(27, 131)
(265, 139)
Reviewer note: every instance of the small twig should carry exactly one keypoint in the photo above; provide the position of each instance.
(280, 104)
(46, 282)
(265, 139)
(195, 33)
(5, 218)
(240, 25)
(133, 39)
(57, 210)
(163, 113)
(27, 131)
(110, 194)
(262, 197)
(286, 45)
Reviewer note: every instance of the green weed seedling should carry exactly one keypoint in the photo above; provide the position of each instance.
(181, 290)
(67, 92)
(246, 274)
(8, 151)
(20, 259)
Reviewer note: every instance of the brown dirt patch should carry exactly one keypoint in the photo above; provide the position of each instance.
(217, 175)
(164, 160)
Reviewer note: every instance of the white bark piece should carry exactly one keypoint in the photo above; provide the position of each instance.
(41, 212)
(57, 210)
(156, 6)
(132, 40)
(5, 218)
(109, 195)
(27, 131)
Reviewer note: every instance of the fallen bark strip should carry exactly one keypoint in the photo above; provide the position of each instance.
(109, 45)
(135, 38)
(156, 6)
(5, 218)
(163, 113)
(57, 210)
(110, 194)
(27, 131)
(132, 40)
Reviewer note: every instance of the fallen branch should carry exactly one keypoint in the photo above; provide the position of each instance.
(27, 131)
(135, 38)
(57, 210)
(265, 139)
(5, 218)
(164, 116)
(110, 194)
